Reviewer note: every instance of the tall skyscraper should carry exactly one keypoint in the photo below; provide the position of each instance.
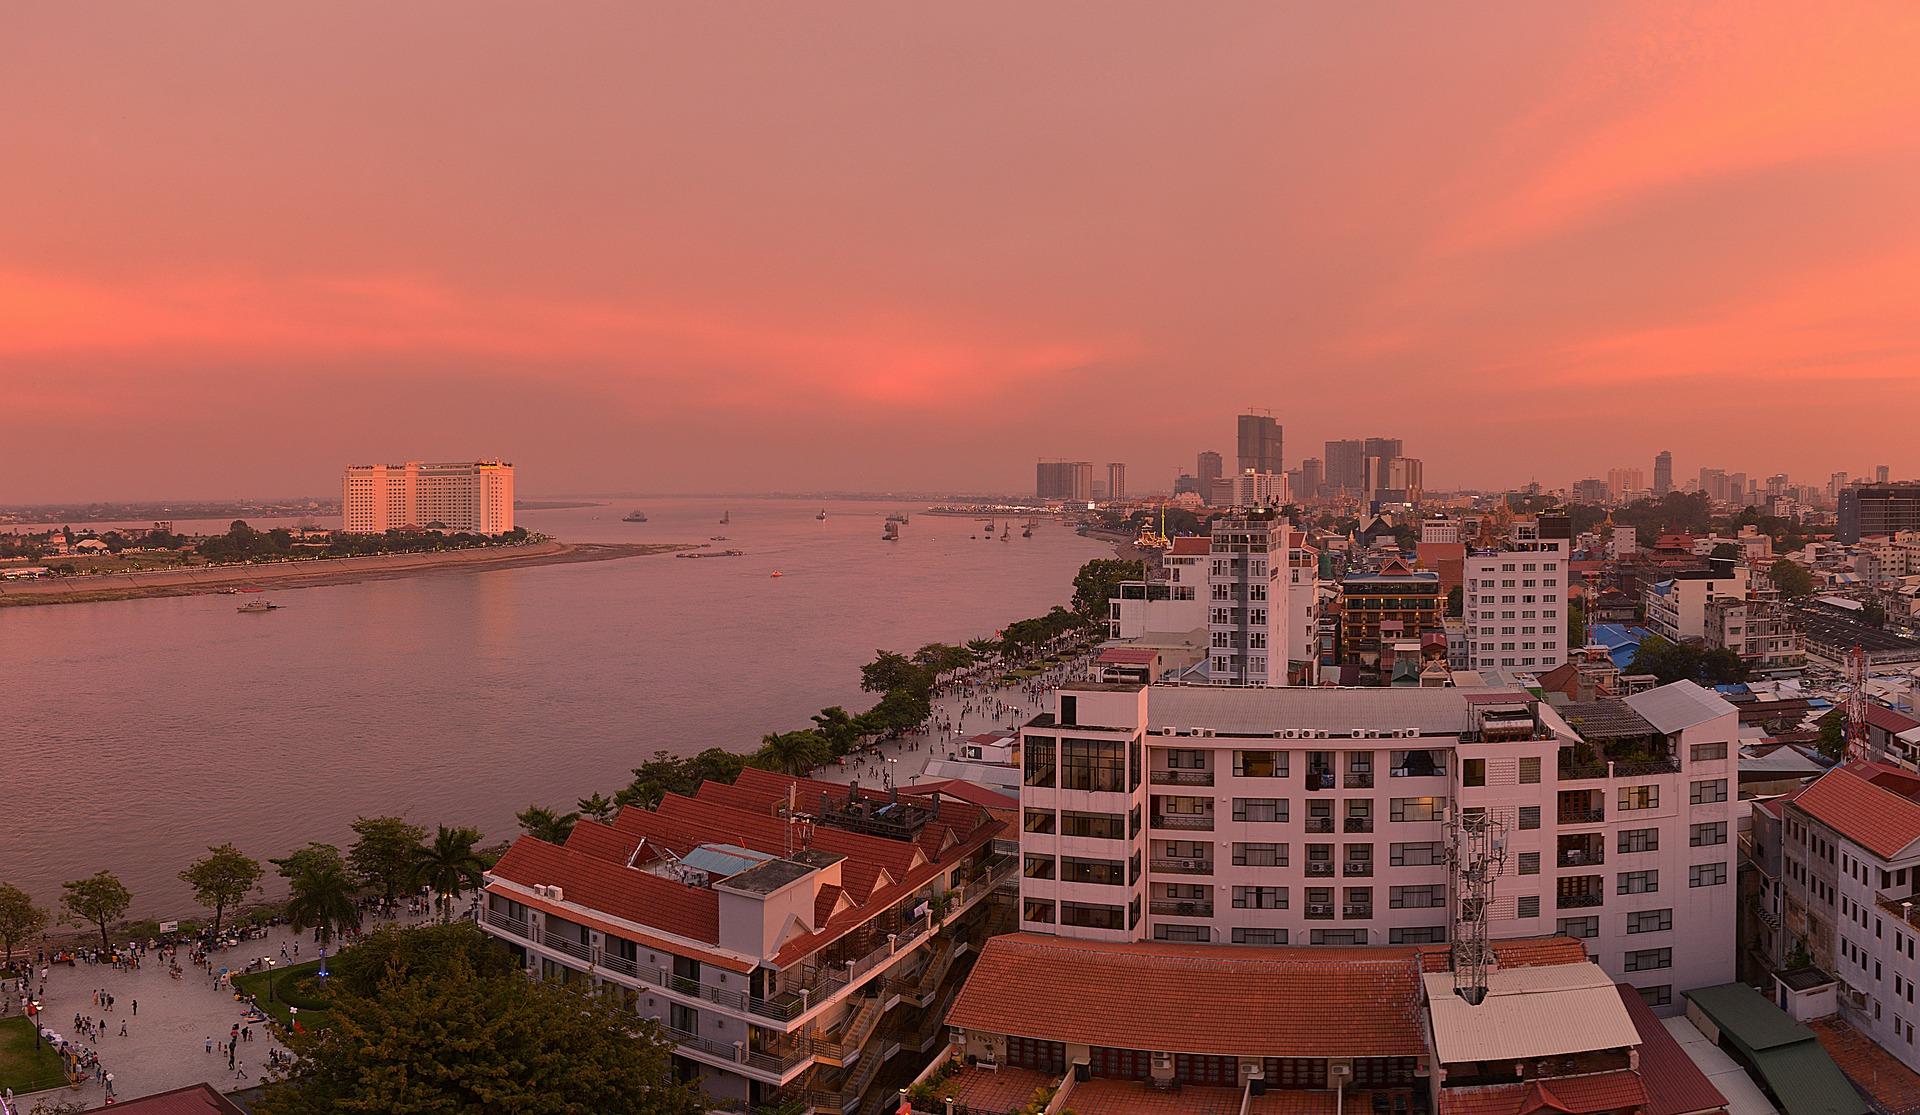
(472, 496)
(1067, 480)
(1259, 443)
(1210, 467)
(1388, 447)
(1313, 474)
(1622, 482)
(1881, 474)
(1346, 466)
(1247, 590)
(1662, 473)
(1116, 481)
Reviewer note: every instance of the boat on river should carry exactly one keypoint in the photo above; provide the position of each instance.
(635, 516)
(256, 607)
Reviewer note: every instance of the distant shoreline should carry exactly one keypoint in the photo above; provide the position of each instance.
(203, 580)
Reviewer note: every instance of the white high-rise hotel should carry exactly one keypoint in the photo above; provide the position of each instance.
(472, 496)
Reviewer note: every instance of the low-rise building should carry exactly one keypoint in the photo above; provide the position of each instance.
(1763, 634)
(789, 935)
(1516, 599)
(1676, 606)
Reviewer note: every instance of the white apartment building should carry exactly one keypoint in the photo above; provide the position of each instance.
(1515, 602)
(474, 496)
(1320, 816)
(1259, 489)
(1677, 607)
(1303, 610)
(1249, 577)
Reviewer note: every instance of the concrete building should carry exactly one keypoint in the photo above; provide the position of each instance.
(1116, 481)
(1624, 483)
(1071, 481)
(1259, 443)
(1515, 599)
(1207, 469)
(1662, 472)
(1393, 479)
(1259, 489)
(1592, 491)
(1325, 817)
(474, 496)
(789, 935)
(1867, 510)
(1313, 478)
(1762, 633)
(1676, 607)
(1248, 597)
(1346, 467)
(1395, 604)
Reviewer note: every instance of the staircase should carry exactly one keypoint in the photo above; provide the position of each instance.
(859, 1026)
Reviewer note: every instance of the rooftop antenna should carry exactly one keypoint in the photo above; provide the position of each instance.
(1857, 742)
(1477, 853)
(797, 820)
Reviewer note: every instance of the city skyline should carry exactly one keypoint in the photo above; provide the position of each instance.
(669, 249)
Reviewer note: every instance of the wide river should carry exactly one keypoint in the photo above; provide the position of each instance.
(136, 733)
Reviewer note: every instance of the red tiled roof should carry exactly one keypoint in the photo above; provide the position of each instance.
(1675, 1085)
(1191, 546)
(970, 792)
(1871, 816)
(1888, 720)
(1129, 656)
(1588, 1094)
(1264, 1002)
(1516, 952)
(194, 1099)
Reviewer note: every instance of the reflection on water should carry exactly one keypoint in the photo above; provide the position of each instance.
(138, 732)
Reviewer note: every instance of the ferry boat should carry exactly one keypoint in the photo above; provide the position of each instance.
(897, 517)
(255, 607)
(891, 532)
(726, 517)
(634, 517)
(822, 516)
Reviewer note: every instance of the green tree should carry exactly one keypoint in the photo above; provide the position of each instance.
(1098, 582)
(449, 866)
(97, 900)
(1456, 602)
(20, 919)
(1833, 735)
(1726, 550)
(384, 852)
(1577, 622)
(793, 753)
(890, 670)
(222, 878)
(322, 892)
(983, 649)
(1666, 661)
(450, 1026)
(838, 728)
(542, 823)
(600, 807)
(306, 859)
(1793, 580)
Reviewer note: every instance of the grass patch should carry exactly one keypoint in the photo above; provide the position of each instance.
(1024, 673)
(294, 986)
(22, 1067)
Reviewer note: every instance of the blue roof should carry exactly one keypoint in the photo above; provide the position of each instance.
(724, 859)
(1622, 641)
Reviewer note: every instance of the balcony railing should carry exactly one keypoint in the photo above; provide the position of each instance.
(1319, 912)
(1359, 824)
(1181, 907)
(1183, 778)
(1358, 781)
(1580, 857)
(1570, 771)
(1319, 870)
(1641, 768)
(572, 946)
(1582, 816)
(1356, 869)
(1191, 821)
(1319, 824)
(1320, 780)
(1356, 911)
(1578, 901)
(1183, 866)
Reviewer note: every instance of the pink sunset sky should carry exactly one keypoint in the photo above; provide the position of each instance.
(729, 247)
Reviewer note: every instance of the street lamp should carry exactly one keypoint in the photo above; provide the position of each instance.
(33, 1017)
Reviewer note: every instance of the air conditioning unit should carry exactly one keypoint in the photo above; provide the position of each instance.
(556, 894)
(1313, 909)
(1410, 733)
(1166, 731)
(1207, 732)
(1190, 864)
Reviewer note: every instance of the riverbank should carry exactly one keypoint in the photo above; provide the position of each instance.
(201, 580)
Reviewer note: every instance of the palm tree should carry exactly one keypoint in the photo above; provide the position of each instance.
(599, 807)
(323, 896)
(449, 866)
(542, 823)
(793, 753)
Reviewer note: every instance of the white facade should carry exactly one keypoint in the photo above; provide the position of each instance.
(1516, 603)
(474, 496)
(1303, 610)
(1315, 816)
(1677, 608)
(1249, 564)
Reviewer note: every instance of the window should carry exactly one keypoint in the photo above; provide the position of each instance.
(1701, 752)
(1100, 826)
(1039, 867)
(1473, 772)
(1259, 936)
(1103, 872)
(1650, 921)
(1528, 906)
(1529, 769)
(1353, 937)
(1529, 816)
(1656, 996)
(1715, 832)
(1090, 916)
(1186, 934)
(1417, 898)
(1260, 855)
(1259, 898)
(1706, 793)
(1422, 854)
(1417, 809)
(1259, 809)
(1260, 764)
(1639, 797)
(1639, 840)
(1649, 960)
(1039, 820)
(1578, 928)
(1040, 757)
(1639, 882)
(1186, 758)
(1529, 863)
(1037, 910)
(1418, 935)
(1707, 875)
(1092, 764)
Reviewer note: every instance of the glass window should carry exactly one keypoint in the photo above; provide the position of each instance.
(1259, 936)
(1579, 928)
(1528, 906)
(1530, 769)
(1707, 792)
(1712, 833)
(1102, 872)
(1649, 960)
(1091, 764)
(1259, 809)
(1260, 764)
(1473, 772)
(1650, 921)
(1259, 855)
(1092, 916)
(1639, 840)
(1639, 797)
(1040, 756)
(1100, 826)
(1039, 820)
(1417, 809)
(1639, 882)
(1421, 854)
(1707, 875)
(1259, 898)
(1529, 816)
(1529, 863)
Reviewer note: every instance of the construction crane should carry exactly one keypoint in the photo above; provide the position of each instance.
(1477, 854)
(1858, 748)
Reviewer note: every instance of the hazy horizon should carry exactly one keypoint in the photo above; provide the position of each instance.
(877, 246)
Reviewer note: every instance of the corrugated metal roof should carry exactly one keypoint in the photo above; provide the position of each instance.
(1746, 1015)
(1529, 1012)
(1261, 711)
(1680, 705)
(1805, 1080)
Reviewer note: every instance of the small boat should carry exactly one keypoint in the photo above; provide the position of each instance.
(635, 516)
(897, 517)
(891, 533)
(255, 607)
(716, 538)
(726, 517)
(822, 516)
(777, 573)
(712, 554)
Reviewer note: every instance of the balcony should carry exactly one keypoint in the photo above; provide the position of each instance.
(1319, 870)
(1358, 824)
(1183, 866)
(1181, 908)
(1358, 780)
(1356, 912)
(1188, 821)
(1319, 911)
(1360, 869)
(1582, 816)
(1580, 857)
(1579, 901)
(1573, 770)
(1319, 824)
(1182, 778)
(1319, 780)
(1643, 768)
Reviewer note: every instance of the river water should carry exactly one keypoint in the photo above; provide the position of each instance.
(135, 733)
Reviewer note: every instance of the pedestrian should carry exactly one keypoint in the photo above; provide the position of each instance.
(136, 1008)
(123, 1028)
(209, 1043)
